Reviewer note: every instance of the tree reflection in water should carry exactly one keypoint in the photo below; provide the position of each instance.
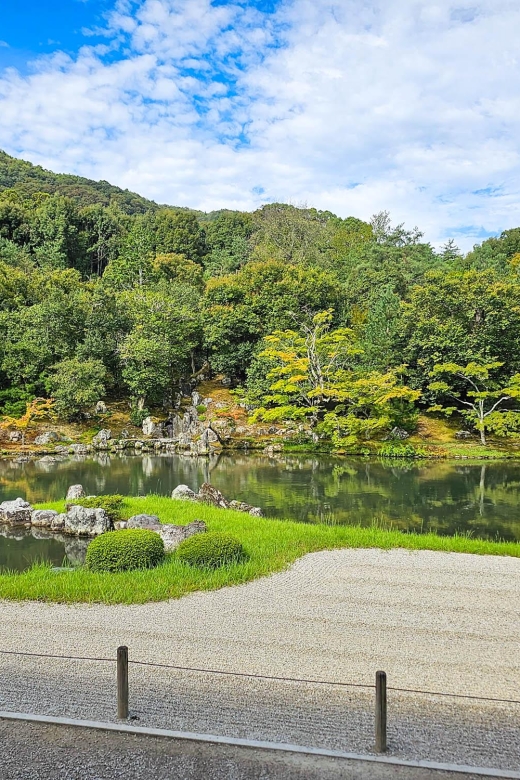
(444, 496)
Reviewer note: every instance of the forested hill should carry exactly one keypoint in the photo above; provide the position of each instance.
(345, 327)
(27, 180)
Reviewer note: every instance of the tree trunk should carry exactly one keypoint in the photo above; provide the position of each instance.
(482, 435)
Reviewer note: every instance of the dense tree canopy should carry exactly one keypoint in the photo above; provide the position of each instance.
(104, 292)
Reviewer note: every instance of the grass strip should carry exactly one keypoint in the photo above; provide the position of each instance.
(271, 544)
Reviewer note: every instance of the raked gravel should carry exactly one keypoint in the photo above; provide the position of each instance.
(433, 621)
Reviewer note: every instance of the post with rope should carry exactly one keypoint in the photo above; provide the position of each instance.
(122, 682)
(381, 745)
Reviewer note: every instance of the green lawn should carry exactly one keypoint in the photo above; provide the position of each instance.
(272, 545)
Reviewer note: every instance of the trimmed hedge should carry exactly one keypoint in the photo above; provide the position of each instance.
(131, 548)
(111, 504)
(211, 550)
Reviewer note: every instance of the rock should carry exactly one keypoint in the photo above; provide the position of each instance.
(184, 493)
(17, 512)
(463, 435)
(151, 428)
(173, 535)
(47, 438)
(42, 518)
(196, 398)
(227, 381)
(58, 523)
(79, 449)
(207, 401)
(124, 434)
(82, 521)
(240, 506)
(240, 430)
(399, 433)
(15, 436)
(208, 442)
(120, 525)
(101, 439)
(138, 445)
(60, 448)
(75, 491)
(101, 407)
(210, 495)
(150, 522)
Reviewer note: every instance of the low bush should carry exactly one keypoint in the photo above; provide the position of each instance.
(132, 548)
(211, 550)
(111, 504)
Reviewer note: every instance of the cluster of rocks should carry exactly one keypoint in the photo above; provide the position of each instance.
(172, 535)
(210, 495)
(76, 521)
(80, 521)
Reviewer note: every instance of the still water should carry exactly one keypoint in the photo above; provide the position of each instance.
(479, 498)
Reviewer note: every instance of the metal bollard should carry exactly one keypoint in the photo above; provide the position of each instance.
(381, 712)
(122, 682)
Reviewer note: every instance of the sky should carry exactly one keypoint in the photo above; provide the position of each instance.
(354, 106)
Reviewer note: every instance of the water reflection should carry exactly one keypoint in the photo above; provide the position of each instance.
(445, 496)
(21, 547)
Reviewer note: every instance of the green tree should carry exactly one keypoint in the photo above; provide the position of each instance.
(317, 378)
(239, 309)
(178, 232)
(133, 267)
(461, 317)
(55, 233)
(480, 396)
(76, 385)
(158, 350)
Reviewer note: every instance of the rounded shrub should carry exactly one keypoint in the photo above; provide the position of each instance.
(132, 548)
(211, 550)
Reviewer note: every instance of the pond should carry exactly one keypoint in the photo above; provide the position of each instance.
(20, 548)
(476, 498)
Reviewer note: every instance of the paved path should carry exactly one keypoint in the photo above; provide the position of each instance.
(434, 621)
(32, 751)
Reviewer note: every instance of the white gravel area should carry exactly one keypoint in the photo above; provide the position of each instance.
(433, 621)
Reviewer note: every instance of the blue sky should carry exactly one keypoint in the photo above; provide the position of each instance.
(353, 106)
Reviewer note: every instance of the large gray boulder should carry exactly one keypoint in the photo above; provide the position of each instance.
(150, 522)
(101, 439)
(47, 438)
(151, 428)
(173, 535)
(101, 407)
(184, 493)
(75, 491)
(81, 521)
(15, 436)
(17, 512)
(42, 518)
(208, 442)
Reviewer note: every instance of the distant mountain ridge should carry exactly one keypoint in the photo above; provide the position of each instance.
(27, 179)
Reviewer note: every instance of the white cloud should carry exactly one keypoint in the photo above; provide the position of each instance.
(410, 106)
